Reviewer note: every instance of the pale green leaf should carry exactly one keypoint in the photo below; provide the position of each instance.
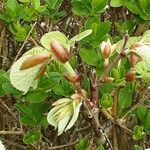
(24, 79)
(116, 3)
(146, 38)
(76, 107)
(50, 117)
(48, 37)
(63, 123)
(79, 37)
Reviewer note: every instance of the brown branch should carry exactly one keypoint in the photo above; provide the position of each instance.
(10, 132)
(63, 146)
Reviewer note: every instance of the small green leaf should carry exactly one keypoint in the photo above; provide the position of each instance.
(99, 5)
(82, 145)
(125, 97)
(32, 137)
(137, 147)
(116, 3)
(138, 133)
(79, 37)
(101, 147)
(90, 56)
(36, 96)
(141, 112)
(106, 101)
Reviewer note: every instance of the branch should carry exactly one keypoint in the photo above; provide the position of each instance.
(63, 146)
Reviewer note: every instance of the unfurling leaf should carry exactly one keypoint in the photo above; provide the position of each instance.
(24, 79)
(64, 114)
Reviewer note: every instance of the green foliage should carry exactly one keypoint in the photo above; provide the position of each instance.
(31, 137)
(138, 7)
(82, 145)
(125, 97)
(106, 101)
(50, 92)
(138, 132)
(33, 114)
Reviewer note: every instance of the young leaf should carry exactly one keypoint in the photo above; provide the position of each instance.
(76, 107)
(56, 35)
(125, 97)
(36, 96)
(24, 79)
(99, 5)
(106, 101)
(89, 56)
(116, 3)
(79, 37)
(138, 132)
(82, 145)
(31, 137)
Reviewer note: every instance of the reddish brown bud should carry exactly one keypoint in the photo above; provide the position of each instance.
(41, 72)
(59, 51)
(108, 79)
(134, 59)
(72, 79)
(106, 51)
(33, 61)
(130, 76)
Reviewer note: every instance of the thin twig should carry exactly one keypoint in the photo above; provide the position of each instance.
(63, 146)
(10, 132)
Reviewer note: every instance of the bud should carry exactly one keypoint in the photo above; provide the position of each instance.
(71, 78)
(108, 79)
(134, 59)
(130, 76)
(59, 51)
(33, 61)
(107, 49)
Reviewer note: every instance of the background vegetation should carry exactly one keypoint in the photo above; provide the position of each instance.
(115, 114)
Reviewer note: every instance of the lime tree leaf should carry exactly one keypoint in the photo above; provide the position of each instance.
(90, 56)
(31, 137)
(116, 3)
(24, 79)
(36, 96)
(48, 37)
(76, 108)
(79, 37)
(82, 145)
